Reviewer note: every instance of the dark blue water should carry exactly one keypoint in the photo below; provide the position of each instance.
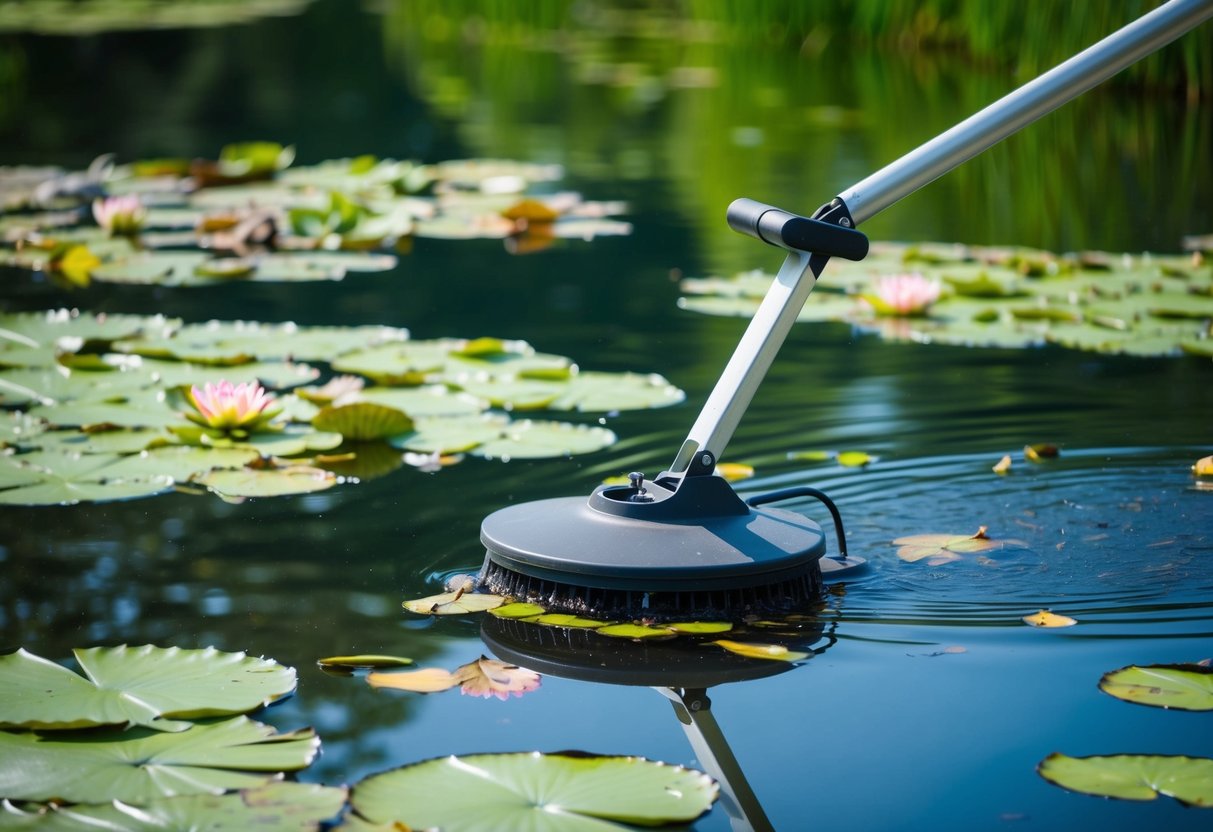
(891, 726)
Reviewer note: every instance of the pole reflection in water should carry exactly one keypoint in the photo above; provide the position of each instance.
(681, 669)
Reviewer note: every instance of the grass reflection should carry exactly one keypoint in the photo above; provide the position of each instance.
(716, 111)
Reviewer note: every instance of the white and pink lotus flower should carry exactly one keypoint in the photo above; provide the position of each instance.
(228, 407)
(120, 215)
(903, 295)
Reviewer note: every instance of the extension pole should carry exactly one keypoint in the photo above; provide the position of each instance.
(779, 308)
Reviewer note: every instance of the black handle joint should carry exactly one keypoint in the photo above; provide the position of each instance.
(830, 233)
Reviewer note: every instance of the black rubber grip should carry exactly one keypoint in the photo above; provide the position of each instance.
(781, 228)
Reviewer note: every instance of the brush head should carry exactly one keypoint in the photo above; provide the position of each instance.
(674, 549)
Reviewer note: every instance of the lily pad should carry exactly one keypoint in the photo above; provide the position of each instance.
(636, 631)
(1185, 687)
(281, 806)
(528, 439)
(145, 685)
(454, 603)
(139, 764)
(538, 792)
(1133, 776)
(273, 482)
(362, 421)
(47, 478)
(938, 549)
(517, 610)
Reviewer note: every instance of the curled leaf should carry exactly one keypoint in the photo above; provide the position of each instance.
(1003, 465)
(364, 661)
(1203, 467)
(1044, 618)
(734, 471)
(1038, 453)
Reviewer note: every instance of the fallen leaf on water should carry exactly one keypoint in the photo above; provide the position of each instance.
(1003, 465)
(775, 652)
(855, 459)
(1044, 618)
(427, 680)
(1037, 453)
(484, 677)
(487, 677)
(1203, 467)
(733, 471)
(938, 549)
(370, 660)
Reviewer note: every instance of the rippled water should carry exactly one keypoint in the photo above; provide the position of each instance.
(929, 702)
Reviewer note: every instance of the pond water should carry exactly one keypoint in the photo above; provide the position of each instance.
(930, 702)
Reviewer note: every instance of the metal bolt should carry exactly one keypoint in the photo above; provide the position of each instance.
(844, 222)
(706, 459)
(637, 480)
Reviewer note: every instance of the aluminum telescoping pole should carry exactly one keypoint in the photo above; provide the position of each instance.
(1025, 105)
(771, 323)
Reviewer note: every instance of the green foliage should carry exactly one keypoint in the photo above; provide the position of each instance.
(534, 791)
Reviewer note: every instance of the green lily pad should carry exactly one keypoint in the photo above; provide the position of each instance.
(518, 610)
(299, 807)
(528, 439)
(1185, 687)
(699, 628)
(412, 362)
(1133, 776)
(420, 402)
(596, 392)
(48, 478)
(118, 441)
(145, 685)
(362, 421)
(452, 435)
(636, 631)
(134, 409)
(533, 791)
(136, 765)
(273, 482)
(568, 621)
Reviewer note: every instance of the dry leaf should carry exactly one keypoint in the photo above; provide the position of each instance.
(427, 680)
(1003, 465)
(1044, 618)
(1203, 467)
(734, 471)
(488, 677)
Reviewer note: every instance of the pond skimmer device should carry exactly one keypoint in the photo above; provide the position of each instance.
(686, 544)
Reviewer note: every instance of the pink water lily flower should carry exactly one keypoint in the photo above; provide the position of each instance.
(903, 295)
(227, 406)
(120, 215)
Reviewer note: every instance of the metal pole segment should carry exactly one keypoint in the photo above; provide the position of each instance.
(762, 339)
(750, 361)
(1025, 105)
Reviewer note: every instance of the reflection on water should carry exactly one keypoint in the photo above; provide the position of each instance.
(888, 729)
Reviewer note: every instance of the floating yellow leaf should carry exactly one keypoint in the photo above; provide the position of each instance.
(733, 471)
(855, 459)
(774, 652)
(1203, 467)
(1044, 618)
(427, 680)
(700, 628)
(1040, 452)
(77, 264)
(530, 210)
(1003, 465)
